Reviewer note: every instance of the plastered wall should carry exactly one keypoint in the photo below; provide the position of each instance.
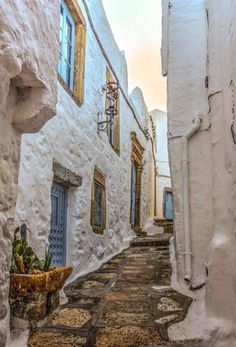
(27, 101)
(71, 138)
(163, 178)
(187, 97)
(198, 59)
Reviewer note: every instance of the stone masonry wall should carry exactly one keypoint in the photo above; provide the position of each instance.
(71, 139)
(27, 100)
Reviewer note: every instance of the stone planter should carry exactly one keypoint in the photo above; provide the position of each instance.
(33, 297)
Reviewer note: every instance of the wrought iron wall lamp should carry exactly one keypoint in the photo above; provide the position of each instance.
(112, 97)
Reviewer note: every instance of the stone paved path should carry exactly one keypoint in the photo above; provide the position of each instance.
(128, 302)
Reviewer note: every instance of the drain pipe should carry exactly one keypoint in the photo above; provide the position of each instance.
(185, 162)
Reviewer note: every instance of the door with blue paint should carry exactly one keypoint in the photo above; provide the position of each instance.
(168, 205)
(57, 236)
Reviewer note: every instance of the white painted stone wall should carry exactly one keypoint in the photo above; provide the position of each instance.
(138, 101)
(163, 179)
(199, 41)
(27, 100)
(71, 138)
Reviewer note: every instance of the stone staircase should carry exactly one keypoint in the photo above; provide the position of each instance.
(167, 225)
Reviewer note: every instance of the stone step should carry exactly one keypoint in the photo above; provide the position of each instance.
(164, 223)
(158, 240)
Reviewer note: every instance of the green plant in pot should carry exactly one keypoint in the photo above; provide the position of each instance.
(34, 283)
(24, 259)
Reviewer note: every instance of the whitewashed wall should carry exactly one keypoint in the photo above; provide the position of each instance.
(163, 179)
(28, 74)
(187, 97)
(71, 138)
(198, 58)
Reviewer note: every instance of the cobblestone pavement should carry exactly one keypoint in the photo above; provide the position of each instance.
(128, 302)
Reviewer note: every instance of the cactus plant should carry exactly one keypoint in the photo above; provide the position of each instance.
(24, 259)
(47, 260)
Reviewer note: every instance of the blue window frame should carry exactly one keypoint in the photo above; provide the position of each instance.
(67, 46)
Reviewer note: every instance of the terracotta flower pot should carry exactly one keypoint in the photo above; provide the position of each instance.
(51, 281)
(33, 296)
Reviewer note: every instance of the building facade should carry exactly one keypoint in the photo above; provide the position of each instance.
(28, 93)
(164, 199)
(86, 179)
(198, 59)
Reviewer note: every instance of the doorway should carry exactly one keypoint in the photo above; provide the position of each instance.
(133, 194)
(136, 177)
(57, 235)
(168, 205)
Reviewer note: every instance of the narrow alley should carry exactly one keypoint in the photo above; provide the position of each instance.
(128, 302)
(117, 173)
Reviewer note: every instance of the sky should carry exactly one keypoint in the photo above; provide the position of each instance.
(136, 25)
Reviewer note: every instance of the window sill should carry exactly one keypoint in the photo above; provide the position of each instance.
(67, 89)
(98, 231)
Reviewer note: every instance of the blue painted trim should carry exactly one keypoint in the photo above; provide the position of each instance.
(63, 63)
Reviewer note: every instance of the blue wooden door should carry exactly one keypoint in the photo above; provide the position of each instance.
(169, 205)
(133, 193)
(57, 236)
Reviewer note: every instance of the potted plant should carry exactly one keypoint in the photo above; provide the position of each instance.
(34, 283)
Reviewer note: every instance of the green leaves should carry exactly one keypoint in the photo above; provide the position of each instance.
(24, 259)
(18, 248)
(19, 264)
(48, 260)
(29, 252)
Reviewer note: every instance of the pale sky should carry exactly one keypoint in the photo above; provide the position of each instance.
(136, 25)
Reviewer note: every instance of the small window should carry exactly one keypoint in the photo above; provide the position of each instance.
(98, 203)
(71, 66)
(113, 129)
(67, 46)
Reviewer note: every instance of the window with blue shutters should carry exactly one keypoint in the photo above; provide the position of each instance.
(67, 46)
